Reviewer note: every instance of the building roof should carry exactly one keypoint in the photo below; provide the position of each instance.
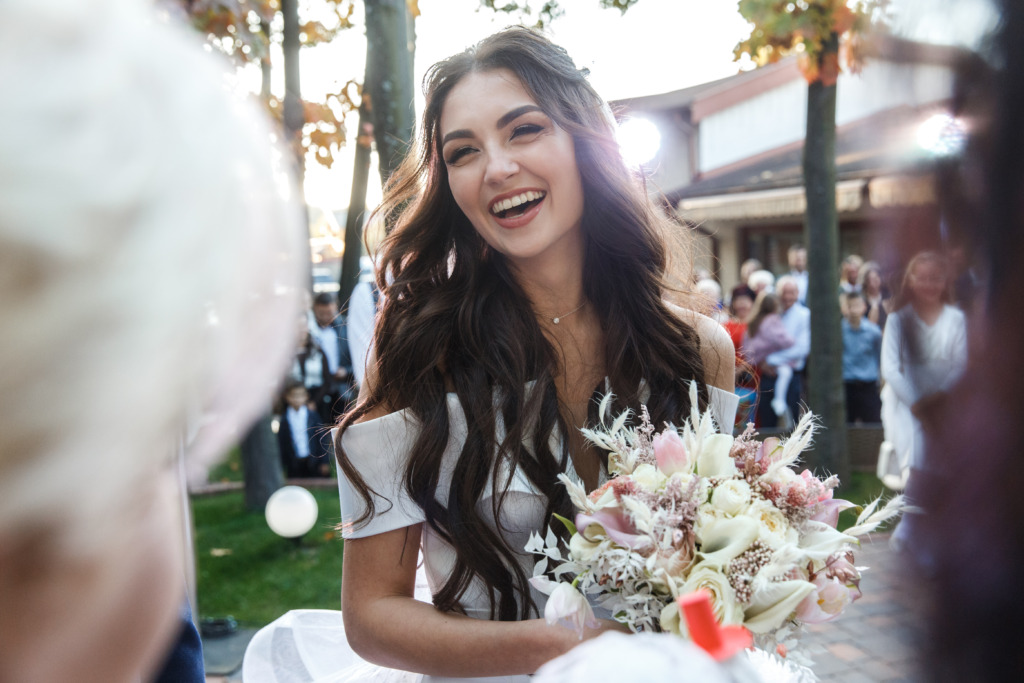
(702, 100)
(871, 146)
(688, 97)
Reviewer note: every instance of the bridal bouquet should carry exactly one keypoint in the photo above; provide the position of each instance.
(693, 509)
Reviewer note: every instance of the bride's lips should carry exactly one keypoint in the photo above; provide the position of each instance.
(522, 219)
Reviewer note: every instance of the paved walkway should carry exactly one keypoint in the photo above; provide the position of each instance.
(877, 638)
(874, 640)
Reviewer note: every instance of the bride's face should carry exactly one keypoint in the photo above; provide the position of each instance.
(512, 170)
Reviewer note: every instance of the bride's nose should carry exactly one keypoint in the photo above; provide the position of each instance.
(500, 167)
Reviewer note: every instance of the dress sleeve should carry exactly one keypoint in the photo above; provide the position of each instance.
(723, 406)
(379, 450)
(893, 370)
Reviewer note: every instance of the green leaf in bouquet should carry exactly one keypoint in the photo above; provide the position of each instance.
(567, 523)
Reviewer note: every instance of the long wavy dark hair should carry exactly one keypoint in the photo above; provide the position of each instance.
(454, 319)
(910, 342)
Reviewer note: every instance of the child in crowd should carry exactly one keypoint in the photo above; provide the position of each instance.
(765, 335)
(784, 375)
(862, 350)
(301, 435)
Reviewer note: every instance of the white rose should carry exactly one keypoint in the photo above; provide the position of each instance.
(648, 477)
(731, 497)
(773, 528)
(714, 459)
(784, 476)
(707, 516)
(723, 598)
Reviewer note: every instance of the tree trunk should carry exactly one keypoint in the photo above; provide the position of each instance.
(389, 80)
(265, 65)
(821, 231)
(356, 205)
(294, 116)
(261, 464)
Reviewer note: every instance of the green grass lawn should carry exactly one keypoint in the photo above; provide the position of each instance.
(247, 571)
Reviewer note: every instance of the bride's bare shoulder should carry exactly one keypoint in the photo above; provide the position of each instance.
(716, 348)
(366, 388)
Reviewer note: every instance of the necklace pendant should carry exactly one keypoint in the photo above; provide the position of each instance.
(555, 320)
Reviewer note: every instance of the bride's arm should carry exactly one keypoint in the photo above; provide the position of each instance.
(386, 626)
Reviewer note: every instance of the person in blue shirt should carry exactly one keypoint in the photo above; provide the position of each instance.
(862, 350)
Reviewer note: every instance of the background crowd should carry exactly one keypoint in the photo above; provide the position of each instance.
(904, 339)
(904, 344)
(323, 380)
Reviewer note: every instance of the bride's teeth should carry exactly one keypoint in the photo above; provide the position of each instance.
(506, 204)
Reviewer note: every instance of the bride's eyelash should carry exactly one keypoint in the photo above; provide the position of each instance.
(457, 154)
(526, 129)
(521, 129)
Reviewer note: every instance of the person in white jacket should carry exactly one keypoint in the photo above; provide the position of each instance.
(924, 351)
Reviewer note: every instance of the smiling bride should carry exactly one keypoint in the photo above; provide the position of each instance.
(525, 273)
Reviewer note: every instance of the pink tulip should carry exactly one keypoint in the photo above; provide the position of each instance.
(841, 567)
(670, 452)
(570, 607)
(616, 526)
(768, 447)
(828, 511)
(829, 599)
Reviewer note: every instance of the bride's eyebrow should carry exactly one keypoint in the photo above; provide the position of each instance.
(515, 114)
(502, 122)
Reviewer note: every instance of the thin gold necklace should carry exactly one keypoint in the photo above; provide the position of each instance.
(558, 318)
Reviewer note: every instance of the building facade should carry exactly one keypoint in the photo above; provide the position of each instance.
(730, 161)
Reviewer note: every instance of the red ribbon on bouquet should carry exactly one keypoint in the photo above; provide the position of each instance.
(721, 642)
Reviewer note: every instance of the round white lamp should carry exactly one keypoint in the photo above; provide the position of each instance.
(639, 140)
(291, 511)
(942, 135)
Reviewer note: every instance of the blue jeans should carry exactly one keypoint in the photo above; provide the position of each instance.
(184, 663)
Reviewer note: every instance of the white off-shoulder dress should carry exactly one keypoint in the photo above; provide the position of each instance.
(306, 646)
